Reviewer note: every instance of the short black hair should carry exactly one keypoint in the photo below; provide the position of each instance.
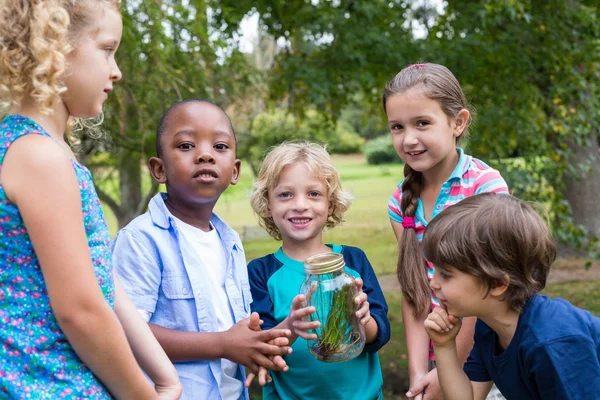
(162, 125)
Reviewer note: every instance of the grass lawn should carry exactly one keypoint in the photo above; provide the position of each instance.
(366, 226)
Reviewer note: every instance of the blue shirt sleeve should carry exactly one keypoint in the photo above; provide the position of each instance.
(567, 368)
(474, 366)
(377, 304)
(258, 275)
(138, 272)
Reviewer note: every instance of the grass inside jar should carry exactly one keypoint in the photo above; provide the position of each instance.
(335, 335)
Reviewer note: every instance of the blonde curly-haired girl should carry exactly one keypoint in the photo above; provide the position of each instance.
(68, 329)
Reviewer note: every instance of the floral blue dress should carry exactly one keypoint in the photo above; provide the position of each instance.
(36, 360)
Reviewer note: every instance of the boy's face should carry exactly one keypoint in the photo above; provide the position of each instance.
(462, 295)
(299, 205)
(198, 154)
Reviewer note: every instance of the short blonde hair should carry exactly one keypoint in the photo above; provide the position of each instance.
(319, 163)
(35, 39)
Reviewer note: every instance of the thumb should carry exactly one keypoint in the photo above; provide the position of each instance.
(417, 388)
(254, 320)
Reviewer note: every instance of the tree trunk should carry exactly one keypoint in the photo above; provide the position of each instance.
(130, 185)
(583, 191)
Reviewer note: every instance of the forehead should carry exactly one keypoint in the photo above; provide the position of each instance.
(413, 102)
(199, 116)
(105, 22)
(300, 174)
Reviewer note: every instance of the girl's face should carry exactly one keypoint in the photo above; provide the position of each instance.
(422, 134)
(299, 205)
(92, 68)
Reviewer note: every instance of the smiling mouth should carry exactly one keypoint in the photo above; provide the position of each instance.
(415, 153)
(299, 221)
(206, 174)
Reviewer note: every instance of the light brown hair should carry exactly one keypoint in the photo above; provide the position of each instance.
(319, 163)
(35, 38)
(436, 82)
(496, 238)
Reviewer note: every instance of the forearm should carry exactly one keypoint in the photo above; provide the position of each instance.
(371, 330)
(99, 340)
(146, 349)
(464, 340)
(190, 346)
(454, 382)
(417, 343)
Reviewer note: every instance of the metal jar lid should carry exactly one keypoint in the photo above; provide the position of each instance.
(323, 263)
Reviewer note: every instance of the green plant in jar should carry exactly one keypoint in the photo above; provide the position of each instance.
(331, 290)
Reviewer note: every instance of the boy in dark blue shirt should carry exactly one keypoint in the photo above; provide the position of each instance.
(493, 255)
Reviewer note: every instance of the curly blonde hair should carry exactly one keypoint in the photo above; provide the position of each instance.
(35, 38)
(319, 163)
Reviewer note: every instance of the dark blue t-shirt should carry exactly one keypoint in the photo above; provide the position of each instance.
(553, 355)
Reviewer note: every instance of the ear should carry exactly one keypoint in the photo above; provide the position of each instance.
(157, 169)
(236, 172)
(500, 287)
(460, 122)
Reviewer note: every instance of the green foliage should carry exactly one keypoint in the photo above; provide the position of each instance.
(381, 151)
(269, 129)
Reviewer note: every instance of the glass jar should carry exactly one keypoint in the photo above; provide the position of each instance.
(331, 290)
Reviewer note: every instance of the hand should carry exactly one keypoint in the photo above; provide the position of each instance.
(426, 388)
(263, 377)
(263, 373)
(172, 392)
(297, 316)
(242, 344)
(442, 327)
(363, 313)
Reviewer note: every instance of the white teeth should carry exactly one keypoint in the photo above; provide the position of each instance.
(206, 175)
(415, 153)
(299, 221)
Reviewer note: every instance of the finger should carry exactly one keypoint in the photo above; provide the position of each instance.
(249, 379)
(363, 310)
(416, 389)
(433, 326)
(262, 376)
(267, 363)
(303, 312)
(267, 349)
(443, 322)
(360, 298)
(306, 325)
(366, 319)
(280, 341)
(298, 301)
(280, 362)
(265, 336)
(359, 284)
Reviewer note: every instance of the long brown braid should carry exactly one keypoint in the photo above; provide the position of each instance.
(437, 83)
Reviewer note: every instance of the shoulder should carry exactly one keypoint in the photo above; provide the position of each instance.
(39, 154)
(140, 231)
(551, 320)
(357, 260)
(263, 268)
(483, 178)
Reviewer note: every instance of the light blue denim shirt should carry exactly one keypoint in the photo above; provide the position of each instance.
(163, 276)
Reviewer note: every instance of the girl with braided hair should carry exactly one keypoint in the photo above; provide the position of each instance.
(428, 116)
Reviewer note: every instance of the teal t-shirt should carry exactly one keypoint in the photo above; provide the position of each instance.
(275, 280)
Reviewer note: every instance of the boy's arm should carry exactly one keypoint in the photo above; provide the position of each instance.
(240, 344)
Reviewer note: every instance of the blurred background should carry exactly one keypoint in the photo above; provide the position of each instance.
(316, 69)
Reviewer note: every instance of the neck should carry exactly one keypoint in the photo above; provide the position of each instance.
(55, 122)
(440, 173)
(197, 215)
(301, 250)
(504, 322)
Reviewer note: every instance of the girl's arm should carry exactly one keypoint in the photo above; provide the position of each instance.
(146, 348)
(38, 177)
(417, 341)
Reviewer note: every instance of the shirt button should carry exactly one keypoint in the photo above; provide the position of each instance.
(446, 190)
(439, 206)
(185, 290)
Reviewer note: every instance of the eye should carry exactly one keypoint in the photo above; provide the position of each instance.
(185, 146)
(109, 50)
(314, 193)
(396, 127)
(445, 275)
(284, 195)
(221, 146)
(422, 124)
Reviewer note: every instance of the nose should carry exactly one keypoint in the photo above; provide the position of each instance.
(299, 203)
(205, 156)
(434, 283)
(115, 73)
(410, 137)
